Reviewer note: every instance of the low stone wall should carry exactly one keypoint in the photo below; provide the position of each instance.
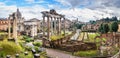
(78, 47)
(67, 45)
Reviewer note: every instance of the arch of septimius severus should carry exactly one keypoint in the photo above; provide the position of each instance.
(52, 16)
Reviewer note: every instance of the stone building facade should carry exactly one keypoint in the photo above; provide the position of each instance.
(90, 27)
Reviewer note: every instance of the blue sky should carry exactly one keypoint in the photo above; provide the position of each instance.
(44, 3)
(72, 9)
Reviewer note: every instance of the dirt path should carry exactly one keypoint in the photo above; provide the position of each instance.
(59, 54)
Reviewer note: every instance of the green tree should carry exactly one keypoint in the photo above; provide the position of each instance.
(92, 22)
(77, 25)
(101, 30)
(114, 27)
(114, 19)
(106, 28)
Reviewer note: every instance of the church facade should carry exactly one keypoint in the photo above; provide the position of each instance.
(20, 21)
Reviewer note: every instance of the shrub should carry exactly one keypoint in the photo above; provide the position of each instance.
(28, 48)
(9, 48)
(38, 44)
(36, 48)
(27, 39)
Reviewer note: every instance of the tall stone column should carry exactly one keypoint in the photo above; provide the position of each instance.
(32, 31)
(58, 26)
(51, 26)
(64, 26)
(9, 28)
(43, 25)
(35, 30)
(15, 27)
(48, 25)
(54, 25)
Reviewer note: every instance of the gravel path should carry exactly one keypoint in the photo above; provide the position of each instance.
(59, 54)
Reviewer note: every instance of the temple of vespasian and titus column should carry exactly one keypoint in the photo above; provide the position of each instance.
(54, 18)
(12, 18)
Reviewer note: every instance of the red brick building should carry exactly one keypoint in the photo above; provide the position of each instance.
(3, 24)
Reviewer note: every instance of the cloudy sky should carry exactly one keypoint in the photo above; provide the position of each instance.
(84, 10)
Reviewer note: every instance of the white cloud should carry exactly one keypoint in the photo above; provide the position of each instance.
(1, 3)
(35, 12)
(32, 12)
(30, 1)
(6, 10)
(107, 8)
(73, 3)
(83, 14)
(27, 12)
(35, 2)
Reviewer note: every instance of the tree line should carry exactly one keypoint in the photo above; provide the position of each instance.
(108, 27)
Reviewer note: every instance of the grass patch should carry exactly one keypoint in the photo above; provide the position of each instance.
(2, 33)
(9, 48)
(22, 55)
(91, 37)
(56, 37)
(89, 53)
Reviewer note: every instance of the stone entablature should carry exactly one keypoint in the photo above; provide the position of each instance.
(30, 23)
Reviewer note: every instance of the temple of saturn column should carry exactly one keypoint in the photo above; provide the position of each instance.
(12, 20)
(53, 23)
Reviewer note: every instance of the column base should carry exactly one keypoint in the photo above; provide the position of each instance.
(11, 39)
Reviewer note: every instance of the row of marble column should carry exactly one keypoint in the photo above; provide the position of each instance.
(56, 30)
